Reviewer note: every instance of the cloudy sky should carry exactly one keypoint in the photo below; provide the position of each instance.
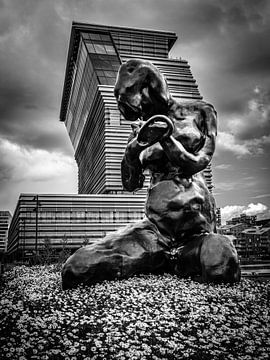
(226, 43)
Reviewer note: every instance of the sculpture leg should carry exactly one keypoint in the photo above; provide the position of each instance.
(219, 260)
(137, 248)
(209, 258)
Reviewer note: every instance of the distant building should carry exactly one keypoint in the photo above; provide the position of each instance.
(249, 220)
(218, 216)
(252, 242)
(234, 229)
(253, 245)
(251, 237)
(5, 218)
(67, 219)
(263, 220)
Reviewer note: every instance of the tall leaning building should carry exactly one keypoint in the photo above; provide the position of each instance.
(96, 128)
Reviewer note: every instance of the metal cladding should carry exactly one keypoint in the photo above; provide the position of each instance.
(5, 218)
(68, 220)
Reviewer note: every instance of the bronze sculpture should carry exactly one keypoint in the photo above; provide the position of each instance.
(175, 142)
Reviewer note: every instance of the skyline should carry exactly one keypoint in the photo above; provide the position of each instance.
(225, 45)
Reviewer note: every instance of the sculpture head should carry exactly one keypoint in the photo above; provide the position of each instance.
(141, 90)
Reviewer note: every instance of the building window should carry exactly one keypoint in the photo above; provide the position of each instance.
(94, 36)
(99, 48)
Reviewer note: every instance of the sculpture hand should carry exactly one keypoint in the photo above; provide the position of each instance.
(156, 129)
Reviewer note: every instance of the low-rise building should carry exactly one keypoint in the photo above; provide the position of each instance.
(218, 217)
(68, 220)
(232, 229)
(5, 218)
(263, 220)
(253, 244)
(249, 220)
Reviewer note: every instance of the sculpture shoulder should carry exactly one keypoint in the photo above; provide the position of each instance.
(198, 114)
(179, 109)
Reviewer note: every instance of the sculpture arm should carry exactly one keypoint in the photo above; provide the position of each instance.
(131, 167)
(192, 163)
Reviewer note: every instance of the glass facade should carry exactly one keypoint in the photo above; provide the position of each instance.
(97, 63)
(74, 218)
(5, 218)
(141, 45)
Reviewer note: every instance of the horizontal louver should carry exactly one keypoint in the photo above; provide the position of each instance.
(69, 217)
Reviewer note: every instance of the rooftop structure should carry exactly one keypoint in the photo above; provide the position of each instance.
(232, 229)
(256, 231)
(243, 219)
(263, 219)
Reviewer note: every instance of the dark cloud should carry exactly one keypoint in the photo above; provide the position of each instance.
(41, 132)
(251, 54)
(256, 120)
(229, 55)
(243, 13)
(192, 20)
(32, 55)
(49, 33)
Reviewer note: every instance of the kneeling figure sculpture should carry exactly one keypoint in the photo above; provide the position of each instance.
(175, 141)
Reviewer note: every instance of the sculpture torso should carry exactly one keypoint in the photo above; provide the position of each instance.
(175, 142)
(187, 130)
(176, 203)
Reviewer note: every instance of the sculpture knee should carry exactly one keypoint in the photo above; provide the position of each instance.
(219, 260)
(89, 265)
(131, 250)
